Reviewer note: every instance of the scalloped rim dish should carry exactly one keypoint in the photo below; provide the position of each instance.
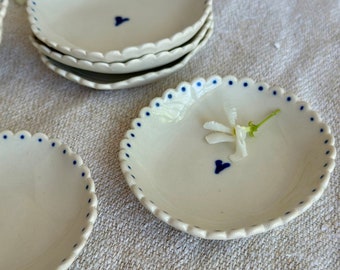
(48, 205)
(170, 167)
(134, 65)
(116, 81)
(130, 51)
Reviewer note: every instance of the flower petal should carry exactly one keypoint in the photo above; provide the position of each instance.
(231, 114)
(218, 137)
(241, 148)
(216, 126)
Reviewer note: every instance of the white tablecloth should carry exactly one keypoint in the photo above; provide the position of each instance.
(293, 44)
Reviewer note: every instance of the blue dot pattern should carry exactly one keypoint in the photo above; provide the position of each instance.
(244, 84)
(26, 137)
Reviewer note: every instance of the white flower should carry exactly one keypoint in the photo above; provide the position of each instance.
(232, 133)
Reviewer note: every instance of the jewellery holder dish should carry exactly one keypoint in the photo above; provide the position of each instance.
(48, 202)
(102, 81)
(196, 188)
(145, 62)
(124, 29)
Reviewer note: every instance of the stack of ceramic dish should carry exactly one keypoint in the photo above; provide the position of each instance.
(3, 9)
(113, 44)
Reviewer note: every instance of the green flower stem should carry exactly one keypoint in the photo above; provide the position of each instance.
(252, 128)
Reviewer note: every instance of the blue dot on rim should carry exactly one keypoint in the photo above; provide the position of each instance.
(245, 84)
(260, 88)
(199, 84)
(230, 82)
(183, 88)
(22, 137)
(170, 96)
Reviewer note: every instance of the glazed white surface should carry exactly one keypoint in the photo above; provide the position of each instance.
(75, 28)
(290, 44)
(102, 81)
(48, 202)
(176, 174)
(145, 62)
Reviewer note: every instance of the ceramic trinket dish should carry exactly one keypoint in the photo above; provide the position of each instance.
(145, 62)
(48, 202)
(128, 29)
(102, 81)
(197, 188)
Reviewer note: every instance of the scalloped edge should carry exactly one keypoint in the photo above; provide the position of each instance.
(196, 86)
(136, 80)
(128, 52)
(145, 62)
(90, 187)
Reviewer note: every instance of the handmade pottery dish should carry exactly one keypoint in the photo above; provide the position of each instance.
(200, 188)
(48, 202)
(102, 81)
(3, 10)
(145, 62)
(128, 29)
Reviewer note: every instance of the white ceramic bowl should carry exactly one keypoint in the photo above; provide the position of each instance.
(116, 30)
(48, 202)
(102, 81)
(145, 62)
(196, 188)
(3, 10)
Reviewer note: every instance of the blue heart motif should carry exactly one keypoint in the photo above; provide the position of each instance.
(220, 166)
(119, 20)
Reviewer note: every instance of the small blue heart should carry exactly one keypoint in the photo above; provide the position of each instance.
(220, 166)
(119, 20)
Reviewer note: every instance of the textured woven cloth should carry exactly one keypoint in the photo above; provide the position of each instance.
(293, 44)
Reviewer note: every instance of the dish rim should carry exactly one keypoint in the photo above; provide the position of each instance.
(128, 52)
(138, 80)
(92, 205)
(245, 231)
(122, 67)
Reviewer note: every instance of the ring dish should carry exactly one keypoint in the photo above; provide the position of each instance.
(145, 62)
(102, 81)
(48, 202)
(125, 29)
(196, 187)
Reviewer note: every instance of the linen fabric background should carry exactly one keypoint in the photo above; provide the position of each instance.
(293, 44)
